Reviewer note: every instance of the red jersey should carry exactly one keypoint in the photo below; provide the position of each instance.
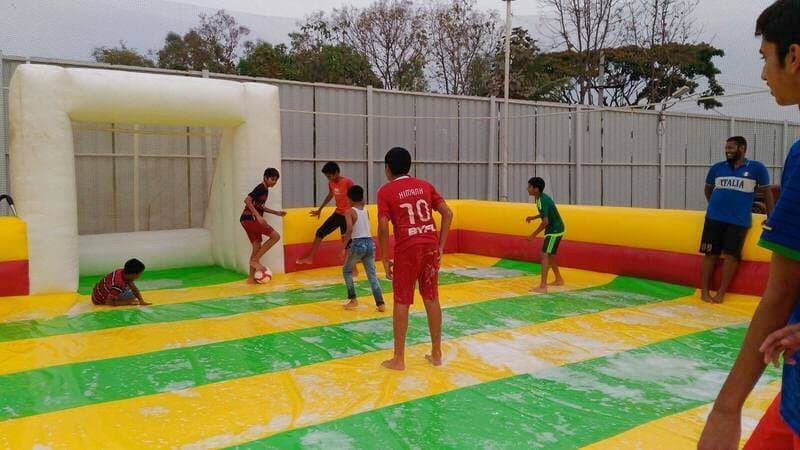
(409, 203)
(339, 191)
(112, 284)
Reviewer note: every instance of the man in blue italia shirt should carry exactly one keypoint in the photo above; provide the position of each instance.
(774, 331)
(731, 187)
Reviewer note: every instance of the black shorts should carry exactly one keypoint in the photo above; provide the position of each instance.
(551, 242)
(335, 221)
(720, 237)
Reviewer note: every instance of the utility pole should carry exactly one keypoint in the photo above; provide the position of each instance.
(504, 123)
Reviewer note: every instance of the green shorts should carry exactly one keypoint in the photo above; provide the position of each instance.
(551, 242)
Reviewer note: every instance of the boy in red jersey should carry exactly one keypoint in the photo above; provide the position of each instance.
(409, 204)
(338, 186)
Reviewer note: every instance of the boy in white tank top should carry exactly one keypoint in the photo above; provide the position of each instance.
(361, 248)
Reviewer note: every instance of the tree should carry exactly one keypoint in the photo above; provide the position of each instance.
(391, 34)
(584, 27)
(459, 35)
(647, 76)
(630, 52)
(337, 64)
(122, 56)
(213, 45)
(262, 59)
(532, 75)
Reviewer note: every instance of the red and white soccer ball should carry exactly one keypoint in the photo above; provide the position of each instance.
(263, 276)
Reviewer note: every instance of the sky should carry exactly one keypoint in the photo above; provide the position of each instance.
(70, 29)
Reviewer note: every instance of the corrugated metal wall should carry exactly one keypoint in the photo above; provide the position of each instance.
(456, 145)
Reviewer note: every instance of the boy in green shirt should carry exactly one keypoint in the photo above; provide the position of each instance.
(553, 228)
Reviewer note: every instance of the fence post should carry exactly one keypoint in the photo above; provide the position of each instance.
(578, 142)
(209, 170)
(136, 183)
(662, 161)
(370, 144)
(493, 181)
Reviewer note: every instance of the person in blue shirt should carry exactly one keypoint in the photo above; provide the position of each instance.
(774, 329)
(731, 187)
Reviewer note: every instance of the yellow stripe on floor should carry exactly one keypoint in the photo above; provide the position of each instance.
(17, 356)
(240, 410)
(39, 307)
(682, 431)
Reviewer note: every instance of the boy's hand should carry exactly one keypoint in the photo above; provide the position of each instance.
(722, 431)
(530, 219)
(785, 341)
(281, 213)
(315, 213)
(532, 237)
(388, 267)
(144, 303)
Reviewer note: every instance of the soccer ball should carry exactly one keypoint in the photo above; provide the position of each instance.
(263, 276)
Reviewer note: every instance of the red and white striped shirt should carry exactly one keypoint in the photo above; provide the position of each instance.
(110, 285)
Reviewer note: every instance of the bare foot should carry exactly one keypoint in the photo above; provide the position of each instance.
(435, 360)
(539, 290)
(352, 304)
(251, 281)
(719, 298)
(306, 260)
(381, 308)
(394, 364)
(558, 282)
(707, 297)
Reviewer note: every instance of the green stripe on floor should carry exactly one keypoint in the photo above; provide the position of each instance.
(184, 277)
(200, 309)
(561, 408)
(72, 385)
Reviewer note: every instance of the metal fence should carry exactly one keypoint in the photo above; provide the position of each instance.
(597, 157)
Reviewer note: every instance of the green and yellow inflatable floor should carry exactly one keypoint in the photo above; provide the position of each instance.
(602, 362)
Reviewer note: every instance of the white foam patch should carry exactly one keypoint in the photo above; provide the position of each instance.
(367, 326)
(412, 383)
(226, 440)
(42, 447)
(312, 339)
(177, 386)
(587, 382)
(327, 440)
(682, 377)
(185, 393)
(511, 353)
(279, 423)
(633, 318)
(163, 283)
(464, 379)
(80, 308)
(150, 411)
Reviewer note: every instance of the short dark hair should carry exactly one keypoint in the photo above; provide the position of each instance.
(330, 168)
(537, 182)
(738, 140)
(399, 161)
(780, 24)
(356, 193)
(133, 267)
(272, 173)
